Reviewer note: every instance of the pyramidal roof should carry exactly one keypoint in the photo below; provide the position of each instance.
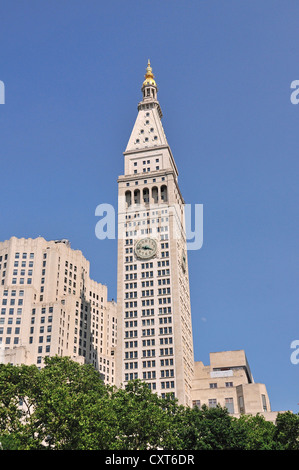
(148, 130)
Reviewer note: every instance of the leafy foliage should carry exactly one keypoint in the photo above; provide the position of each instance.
(66, 406)
(287, 430)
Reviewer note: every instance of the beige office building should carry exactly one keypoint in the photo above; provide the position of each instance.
(50, 306)
(154, 316)
(228, 381)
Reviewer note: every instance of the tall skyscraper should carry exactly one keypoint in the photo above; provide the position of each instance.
(154, 316)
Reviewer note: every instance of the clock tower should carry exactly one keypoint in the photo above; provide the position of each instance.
(154, 335)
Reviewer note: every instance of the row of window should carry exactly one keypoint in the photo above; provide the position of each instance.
(212, 403)
(9, 340)
(138, 223)
(13, 293)
(215, 385)
(164, 385)
(147, 214)
(163, 272)
(133, 285)
(41, 339)
(148, 302)
(149, 352)
(229, 403)
(11, 311)
(21, 281)
(162, 331)
(10, 321)
(149, 312)
(43, 310)
(22, 272)
(9, 330)
(16, 265)
(145, 293)
(154, 180)
(150, 363)
(24, 255)
(147, 231)
(144, 170)
(146, 139)
(12, 301)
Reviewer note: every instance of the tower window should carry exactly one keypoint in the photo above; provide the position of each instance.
(164, 193)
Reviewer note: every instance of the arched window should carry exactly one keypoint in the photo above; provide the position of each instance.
(128, 198)
(155, 194)
(164, 193)
(136, 196)
(146, 195)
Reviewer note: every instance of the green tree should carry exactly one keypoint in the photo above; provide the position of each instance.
(17, 387)
(253, 433)
(73, 407)
(287, 430)
(66, 406)
(146, 421)
(10, 442)
(205, 428)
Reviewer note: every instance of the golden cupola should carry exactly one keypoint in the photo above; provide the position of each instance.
(149, 87)
(149, 76)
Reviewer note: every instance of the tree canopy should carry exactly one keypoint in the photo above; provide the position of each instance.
(66, 406)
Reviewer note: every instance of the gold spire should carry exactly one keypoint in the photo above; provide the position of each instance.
(149, 76)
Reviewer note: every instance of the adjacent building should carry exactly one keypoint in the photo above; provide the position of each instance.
(228, 381)
(50, 306)
(154, 317)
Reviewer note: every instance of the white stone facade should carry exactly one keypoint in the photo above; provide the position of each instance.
(154, 316)
(49, 305)
(228, 381)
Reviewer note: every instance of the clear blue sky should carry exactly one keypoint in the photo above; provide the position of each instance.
(73, 72)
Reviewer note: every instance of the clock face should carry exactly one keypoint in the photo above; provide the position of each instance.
(146, 248)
